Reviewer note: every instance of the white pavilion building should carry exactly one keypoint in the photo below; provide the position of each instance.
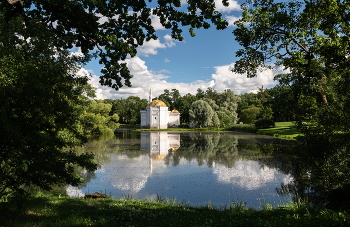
(157, 116)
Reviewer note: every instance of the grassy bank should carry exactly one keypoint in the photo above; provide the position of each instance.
(49, 210)
(284, 130)
(242, 128)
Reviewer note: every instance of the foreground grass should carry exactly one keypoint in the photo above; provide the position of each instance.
(64, 211)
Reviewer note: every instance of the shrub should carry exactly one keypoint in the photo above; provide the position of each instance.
(264, 123)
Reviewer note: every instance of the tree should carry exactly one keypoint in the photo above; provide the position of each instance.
(229, 100)
(133, 105)
(41, 99)
(40, 94)
(311, 40)
(171, 98)
(111, 30)
(211, 103)
(117, 108)
(210, 93)
(265, 98)
(201, 113)
(281, 95)
(226, 117)
(112, 122)
(175, 94)
(184, 105)
(249, 115)
(301, 107)
(246, 100)
(200, 93)
(128, 110)
(96, 118)
(99, 107)
(228, 106)
(165, 97)
(215, 120)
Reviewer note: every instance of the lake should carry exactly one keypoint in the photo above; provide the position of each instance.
(196, 168)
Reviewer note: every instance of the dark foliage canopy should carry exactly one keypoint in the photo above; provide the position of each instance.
(110, 30)
(42, 97)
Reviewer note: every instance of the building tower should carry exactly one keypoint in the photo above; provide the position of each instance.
(150, 95)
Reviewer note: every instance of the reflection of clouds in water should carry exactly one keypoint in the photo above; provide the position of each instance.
(101, 170)
(74, 192)
(134, 184)
(249, 175)
(130, 175)
(121, 158)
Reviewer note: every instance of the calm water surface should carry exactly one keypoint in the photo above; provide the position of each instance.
(190, 167)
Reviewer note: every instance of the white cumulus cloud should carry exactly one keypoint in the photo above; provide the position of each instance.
(233, 6)
(156, 23)
(239, 83)
(169, 41)
(143, 79)
(150, 48)
(231, 20)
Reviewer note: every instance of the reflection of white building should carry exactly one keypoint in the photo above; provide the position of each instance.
(158, 144)
(157, 116)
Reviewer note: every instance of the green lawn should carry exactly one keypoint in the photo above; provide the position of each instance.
(285, 130)
(64, 211)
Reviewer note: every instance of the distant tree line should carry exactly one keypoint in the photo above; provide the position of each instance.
(205, 108)
(279, 103)
(217, 108)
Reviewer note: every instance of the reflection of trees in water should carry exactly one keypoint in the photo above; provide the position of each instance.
(285, 156)
(102, 147)
(323, 168)
(219, 148)
(226, 149)
(321, 171)
(205, 148)
(327, 159)
(123, 133)
(282, 158)
(130, 142)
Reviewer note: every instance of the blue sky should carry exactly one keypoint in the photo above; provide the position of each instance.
(202, 61)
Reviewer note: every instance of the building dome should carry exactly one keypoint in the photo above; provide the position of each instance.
(175, 111)
(157, 103)
(157, 157)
